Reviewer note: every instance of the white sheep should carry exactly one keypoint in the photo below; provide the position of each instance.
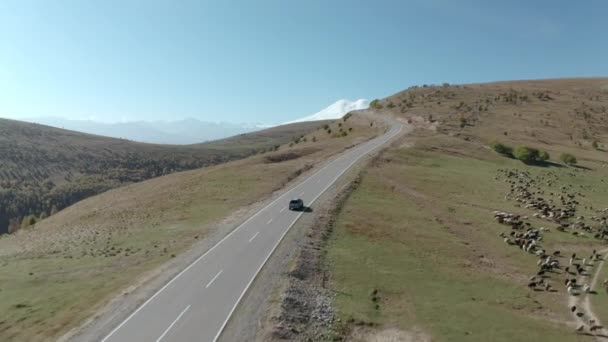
(587, 288)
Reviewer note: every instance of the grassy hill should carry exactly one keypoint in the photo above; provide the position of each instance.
(46, 169)
(63, 269)
(416, 253)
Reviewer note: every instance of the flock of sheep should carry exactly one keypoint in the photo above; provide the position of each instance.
(526, 191)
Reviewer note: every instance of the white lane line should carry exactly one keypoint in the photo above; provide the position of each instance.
(172, 324)
(212, 280)
(380, 142)
(253, 237)
(212, 248)
(269, 221)
(282, 210)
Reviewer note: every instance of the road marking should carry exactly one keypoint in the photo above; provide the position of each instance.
(253, 237)
(389, 135)
(212, 280)
(269, 221)
(172, 324)
(282, 210)
(211, 249)
(383, 141)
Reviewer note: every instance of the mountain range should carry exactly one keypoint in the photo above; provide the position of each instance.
(187, 131)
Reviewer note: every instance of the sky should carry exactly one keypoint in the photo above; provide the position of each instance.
(272, 61)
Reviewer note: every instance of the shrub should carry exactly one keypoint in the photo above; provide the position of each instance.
(463, 121)
(595, 145)
(568, 159)
(544, 156)
(502, 149)
(375, 104)
(526, 154)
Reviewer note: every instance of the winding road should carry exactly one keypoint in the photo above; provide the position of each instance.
(198, 302)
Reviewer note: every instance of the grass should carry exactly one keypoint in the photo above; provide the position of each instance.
(61, 271)
(420, 231)
(45, 169)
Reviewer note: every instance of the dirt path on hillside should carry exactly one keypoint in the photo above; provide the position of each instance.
(582, 300)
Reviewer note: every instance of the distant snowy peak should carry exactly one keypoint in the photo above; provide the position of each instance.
(335, 111)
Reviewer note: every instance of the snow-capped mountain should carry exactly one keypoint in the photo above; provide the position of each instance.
(187, 131)
(335, 111)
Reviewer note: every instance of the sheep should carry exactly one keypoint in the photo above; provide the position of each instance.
(586, 288)
(571, 290)
(580, 328)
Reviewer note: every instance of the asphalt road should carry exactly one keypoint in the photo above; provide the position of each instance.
(197, 303)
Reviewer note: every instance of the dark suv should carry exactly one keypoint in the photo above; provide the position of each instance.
(296, 204)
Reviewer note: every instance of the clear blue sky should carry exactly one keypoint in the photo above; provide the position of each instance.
(269, 61)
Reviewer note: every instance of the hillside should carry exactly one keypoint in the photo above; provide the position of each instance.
(45, 169)
(425, 248)
(561, 113)
(69, 266)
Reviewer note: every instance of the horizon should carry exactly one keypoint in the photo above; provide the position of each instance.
(265, 63)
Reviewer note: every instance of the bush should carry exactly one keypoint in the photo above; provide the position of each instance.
(568, 159)
(375, 104)
(544, 156)
(526, 154)
(502, 149)
(595, 145)
(463, 121)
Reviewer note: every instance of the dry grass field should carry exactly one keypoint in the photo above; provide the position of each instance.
(64, 268)
(45, 169)
(416, 252)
